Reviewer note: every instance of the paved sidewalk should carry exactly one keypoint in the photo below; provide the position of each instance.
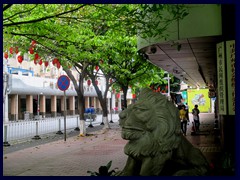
(73, 157)
(77, 155)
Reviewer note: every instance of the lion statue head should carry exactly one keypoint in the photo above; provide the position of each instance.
(151, 125)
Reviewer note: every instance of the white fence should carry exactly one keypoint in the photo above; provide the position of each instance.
(29, 129)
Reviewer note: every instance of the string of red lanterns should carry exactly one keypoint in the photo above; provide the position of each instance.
(37, 59)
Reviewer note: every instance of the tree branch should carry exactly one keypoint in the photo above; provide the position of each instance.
(19, 13)
(7, 6)
(43, 18)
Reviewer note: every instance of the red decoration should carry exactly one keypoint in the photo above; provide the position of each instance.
(35, 61)
(46, 63)
(55, 60)
(96, 68)
(33, 43)
(58, 65)
(40, 62)
(31, 50)
(11, 50)
(20, 59)
(118, 95)
(5, 55)
(133, 96)
(96, 82)
(36, 56)
(89, 82)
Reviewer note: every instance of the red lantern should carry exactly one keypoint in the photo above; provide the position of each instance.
(36, 56)
(96, 82)
(40, 62)
(118, 95)
(55, 60)
(20, 59)
(5, 55)
(11, 50)
(33, 43)
(58, 65)
(31, 50)
(46, 63)
(89, 82)
(35, 61)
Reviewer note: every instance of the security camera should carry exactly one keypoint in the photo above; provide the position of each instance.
(153, 49)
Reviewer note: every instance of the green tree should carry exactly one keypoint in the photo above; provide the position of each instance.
(81, 35)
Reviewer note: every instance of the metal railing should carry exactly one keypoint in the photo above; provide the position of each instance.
(17, 130)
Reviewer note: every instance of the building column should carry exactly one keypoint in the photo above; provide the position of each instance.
(43, 105)
(29, 105)
(119, 104)
(95, 102)
(87, 102)
(113, 100)
(72, 105)
(14, 107)
(54, 106)
(20, 113)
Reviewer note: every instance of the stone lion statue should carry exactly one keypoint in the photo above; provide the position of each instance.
(156, 146)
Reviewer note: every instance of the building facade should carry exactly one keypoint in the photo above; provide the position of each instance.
(30, 91)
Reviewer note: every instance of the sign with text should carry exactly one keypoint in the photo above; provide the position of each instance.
(230, 58)
(221, 79)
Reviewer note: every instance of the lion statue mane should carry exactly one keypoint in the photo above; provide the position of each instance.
(156, 145)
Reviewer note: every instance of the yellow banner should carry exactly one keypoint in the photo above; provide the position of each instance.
(199, 97)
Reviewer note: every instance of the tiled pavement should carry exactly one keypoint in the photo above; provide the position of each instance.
(77, 155)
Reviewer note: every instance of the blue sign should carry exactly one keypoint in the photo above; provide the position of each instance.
(63, 82)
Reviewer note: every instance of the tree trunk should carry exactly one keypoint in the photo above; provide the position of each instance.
(81, 99)
(103, 101)
(124, 88)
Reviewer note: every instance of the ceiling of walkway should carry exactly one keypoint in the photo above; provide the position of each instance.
(194, 63)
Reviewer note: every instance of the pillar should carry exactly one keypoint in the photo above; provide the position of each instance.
(95, 102)
(119, 104)
(54, 106)
(86, 102)
(14, 107)
(113, 100)
(20, 113)
(43, 105)
(29, 105)
(72, 105)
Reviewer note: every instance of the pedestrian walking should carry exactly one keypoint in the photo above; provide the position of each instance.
(183, 118)
(187, 111)
(195, 112)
